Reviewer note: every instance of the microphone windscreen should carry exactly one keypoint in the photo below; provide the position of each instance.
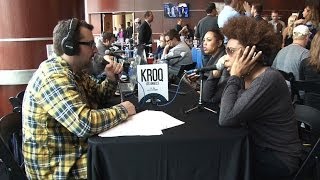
(220, 66)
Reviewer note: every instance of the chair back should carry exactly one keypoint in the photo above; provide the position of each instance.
(310, 168)
(11, 135)
(11, 141)
(9, 168)
(289, 77)
(20, 95)
(309, 123)
(311, 92)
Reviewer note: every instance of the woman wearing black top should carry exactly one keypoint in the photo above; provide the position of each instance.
(310, 70)
(257, 97)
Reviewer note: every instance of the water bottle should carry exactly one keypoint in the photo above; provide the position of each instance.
(126, 52)
(133, 73)
(136, 57)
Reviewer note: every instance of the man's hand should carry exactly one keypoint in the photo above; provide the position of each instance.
(130, 107)
(112, 68)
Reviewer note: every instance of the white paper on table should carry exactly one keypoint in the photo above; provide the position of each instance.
(145, 123)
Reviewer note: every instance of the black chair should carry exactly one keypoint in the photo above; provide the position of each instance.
(310, 92)
(290, 78)
(310, 168)
(16, 104)
(309, 131)
(308, 122)
(11, 140)
(9, 169)
(20, 95)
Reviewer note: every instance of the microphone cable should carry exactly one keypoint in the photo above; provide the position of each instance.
(175, 95)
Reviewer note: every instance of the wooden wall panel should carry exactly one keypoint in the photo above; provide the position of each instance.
(22, 55)
(16, 16)
(27, 27)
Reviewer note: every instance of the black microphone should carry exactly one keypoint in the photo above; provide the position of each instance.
(175, 56)
(100, 59)
(218, 66)
(114, 53)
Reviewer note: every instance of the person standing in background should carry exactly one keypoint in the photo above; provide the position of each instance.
(210, 22)
(256, 11)
(179, 25)
(137, 24)
(311, 20)
(129, 30)
(232, 9)
(277, 24)
(145, 34)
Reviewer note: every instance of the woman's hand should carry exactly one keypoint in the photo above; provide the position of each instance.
(244, 62)
(216, 73)
(192, 77)
(112, 68)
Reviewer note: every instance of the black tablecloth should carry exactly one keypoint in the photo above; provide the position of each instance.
(196, 150)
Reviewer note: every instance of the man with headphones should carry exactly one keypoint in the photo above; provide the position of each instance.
(61, 107)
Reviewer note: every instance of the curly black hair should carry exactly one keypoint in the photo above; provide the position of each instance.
(249, 32)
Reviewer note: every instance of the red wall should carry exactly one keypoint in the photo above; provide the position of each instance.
(28, 19)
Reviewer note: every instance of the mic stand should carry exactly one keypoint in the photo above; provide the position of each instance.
(200, 107)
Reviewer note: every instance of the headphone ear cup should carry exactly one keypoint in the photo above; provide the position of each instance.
(69, 46)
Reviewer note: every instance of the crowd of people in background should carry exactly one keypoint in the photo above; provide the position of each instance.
(249, 90)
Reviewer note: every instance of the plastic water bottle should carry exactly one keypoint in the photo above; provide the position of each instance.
(136, 57)
(133, 73)
(126, 51)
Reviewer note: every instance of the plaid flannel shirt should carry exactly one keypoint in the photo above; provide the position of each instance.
(59, 114)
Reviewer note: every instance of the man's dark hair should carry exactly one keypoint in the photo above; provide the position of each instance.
(217, 34)
(227, 2)
(147, 14)
(107, 36)
(172, 33)
(61, 30)
(210, 8)
(258, 7)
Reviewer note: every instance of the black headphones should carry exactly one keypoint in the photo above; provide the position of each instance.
(69, 46)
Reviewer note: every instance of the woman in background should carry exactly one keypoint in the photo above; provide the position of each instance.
(311, 19)
(288, 31)
(213, 86)
(256, 96)
(310, 70)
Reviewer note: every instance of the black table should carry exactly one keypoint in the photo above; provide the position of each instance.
(196, 150)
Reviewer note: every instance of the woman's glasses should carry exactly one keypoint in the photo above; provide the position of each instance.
(230, 51)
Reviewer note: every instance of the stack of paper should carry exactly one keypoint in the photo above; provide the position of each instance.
(145, 123)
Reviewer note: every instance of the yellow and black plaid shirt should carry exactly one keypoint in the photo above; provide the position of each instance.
(59, 114)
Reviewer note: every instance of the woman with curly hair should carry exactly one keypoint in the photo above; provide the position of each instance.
(256, 96)
(310, 71)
